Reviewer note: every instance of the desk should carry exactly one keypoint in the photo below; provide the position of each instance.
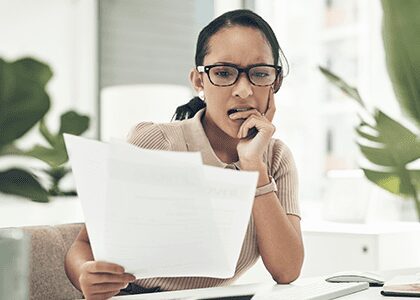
(373, 293)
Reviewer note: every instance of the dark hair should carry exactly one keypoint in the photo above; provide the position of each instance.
(241, 17)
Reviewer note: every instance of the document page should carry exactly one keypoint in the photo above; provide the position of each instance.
(161, 213)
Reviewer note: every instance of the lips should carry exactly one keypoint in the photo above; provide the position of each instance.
(239, 109)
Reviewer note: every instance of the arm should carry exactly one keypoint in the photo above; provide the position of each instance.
(95, 279)
(279, 236)
(79, 253)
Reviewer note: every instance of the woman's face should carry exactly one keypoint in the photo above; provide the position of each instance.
(242, 46)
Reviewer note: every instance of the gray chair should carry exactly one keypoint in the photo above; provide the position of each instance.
(47, 277)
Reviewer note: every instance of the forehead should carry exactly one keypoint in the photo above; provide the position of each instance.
(239, 45)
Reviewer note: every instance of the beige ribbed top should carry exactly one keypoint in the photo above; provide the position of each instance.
(189, 135)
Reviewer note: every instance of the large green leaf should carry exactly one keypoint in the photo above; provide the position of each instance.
(393, 144)
(401, 36)
(390, 180)
(23, 99)
(402, 142)
(19, 182)
(392, 148)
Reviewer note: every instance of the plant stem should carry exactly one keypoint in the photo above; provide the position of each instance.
(416, 200)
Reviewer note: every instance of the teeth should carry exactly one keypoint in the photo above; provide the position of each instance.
(234, 110)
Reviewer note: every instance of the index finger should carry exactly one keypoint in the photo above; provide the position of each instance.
(104, 267)
(271, 106)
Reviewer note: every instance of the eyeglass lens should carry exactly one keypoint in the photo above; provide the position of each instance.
(227, 75)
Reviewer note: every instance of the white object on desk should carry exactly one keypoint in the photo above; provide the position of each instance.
(356, 276)
(372, 293)
(332, 247)
(317, 290)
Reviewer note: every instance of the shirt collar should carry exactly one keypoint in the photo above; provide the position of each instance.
(196, 140)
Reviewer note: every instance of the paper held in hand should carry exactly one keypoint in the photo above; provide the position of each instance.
(161, 213)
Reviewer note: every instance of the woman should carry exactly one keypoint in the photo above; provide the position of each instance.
(237, 73)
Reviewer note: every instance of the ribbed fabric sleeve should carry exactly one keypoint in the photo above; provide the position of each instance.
(284, 172)
(148, 135)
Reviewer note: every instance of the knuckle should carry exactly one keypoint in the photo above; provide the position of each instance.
(82, 279)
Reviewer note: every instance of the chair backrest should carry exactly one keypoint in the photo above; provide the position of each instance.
(122, 107)
(47, 277)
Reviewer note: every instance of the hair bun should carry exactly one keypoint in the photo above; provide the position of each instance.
(189, 109)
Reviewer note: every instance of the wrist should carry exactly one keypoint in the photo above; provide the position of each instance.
(252, 165)
(270, 187)
(263, 179)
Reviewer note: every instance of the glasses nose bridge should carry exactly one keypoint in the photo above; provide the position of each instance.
(245, 71)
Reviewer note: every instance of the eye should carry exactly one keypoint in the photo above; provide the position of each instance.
(223, 72)
(260, 74)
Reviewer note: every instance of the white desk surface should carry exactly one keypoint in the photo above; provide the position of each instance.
(371, 293)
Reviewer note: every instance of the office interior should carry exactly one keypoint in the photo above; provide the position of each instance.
(121, 62)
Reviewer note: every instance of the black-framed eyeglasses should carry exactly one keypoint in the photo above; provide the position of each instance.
(228, 74)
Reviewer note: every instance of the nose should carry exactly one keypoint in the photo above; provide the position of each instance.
(242, 87)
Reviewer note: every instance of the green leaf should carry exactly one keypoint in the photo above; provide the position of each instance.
(393, 144)
(390, 181)
(379, 156)
(11, 149)
(23, 99)
(19, 182)
(342, 85)
(400, 141)
(73, 123)
(369, 133)
(401, 38)
(51, 156)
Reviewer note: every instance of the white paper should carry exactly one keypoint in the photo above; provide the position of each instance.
(161, 213)
(87, 158)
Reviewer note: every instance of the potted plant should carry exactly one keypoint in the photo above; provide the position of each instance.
(54, 155)
(392, 148)
(23, 102)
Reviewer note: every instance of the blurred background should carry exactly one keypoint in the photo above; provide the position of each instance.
(94, 47)
(121, 62)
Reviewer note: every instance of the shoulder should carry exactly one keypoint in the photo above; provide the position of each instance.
(157, 136)
(148, 135)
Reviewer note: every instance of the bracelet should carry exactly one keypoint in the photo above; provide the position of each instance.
(268, 188)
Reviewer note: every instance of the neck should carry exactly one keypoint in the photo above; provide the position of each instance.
(223, 145)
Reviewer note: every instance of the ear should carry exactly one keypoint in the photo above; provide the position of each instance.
(196, 80)
(277, 83)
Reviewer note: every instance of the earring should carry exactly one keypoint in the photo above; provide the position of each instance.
(201, 95)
